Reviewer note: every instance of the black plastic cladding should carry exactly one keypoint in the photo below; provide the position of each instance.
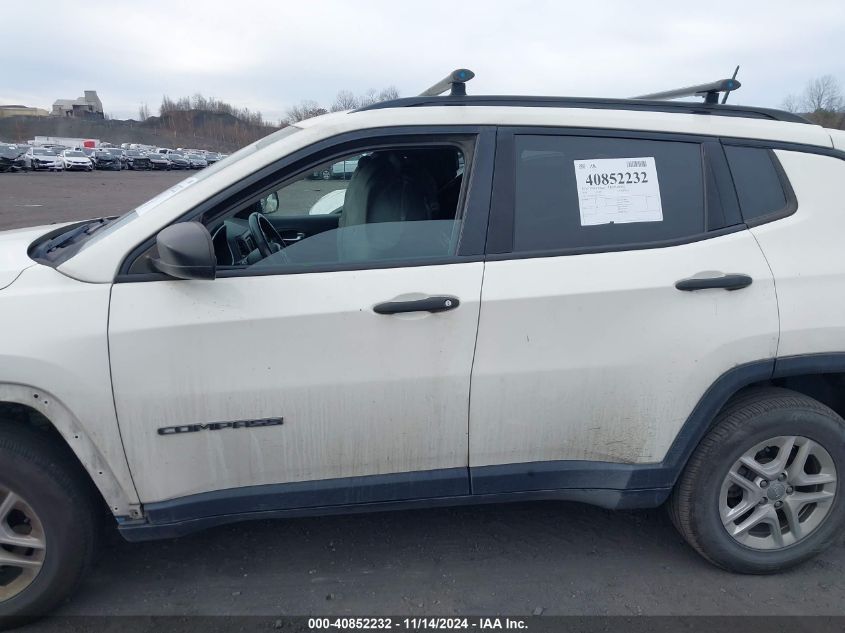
(715, 109)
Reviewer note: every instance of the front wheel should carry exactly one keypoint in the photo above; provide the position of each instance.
(760, 493)
(48, 524)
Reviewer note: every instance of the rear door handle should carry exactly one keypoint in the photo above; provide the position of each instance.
(429, 304)
(731, 281)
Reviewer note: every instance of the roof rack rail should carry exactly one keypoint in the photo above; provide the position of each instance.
(456, 82)
(684, 107)
(710, 91)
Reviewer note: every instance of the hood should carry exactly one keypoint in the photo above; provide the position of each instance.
(13, 251)
(45, 159)
(76, 159)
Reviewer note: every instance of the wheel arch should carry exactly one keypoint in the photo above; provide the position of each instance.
(39, 409)
(819, 376)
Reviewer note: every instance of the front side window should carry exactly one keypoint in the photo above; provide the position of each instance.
(575, 192)
(373, 206)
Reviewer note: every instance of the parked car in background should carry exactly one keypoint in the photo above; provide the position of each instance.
(196, 161)
(343, 170)
(178, 160)
(121, 155)
(212, 157)
(107, 160)
(159, 161)
(90, 152)
(76, 160)
(136, 159)
(42, 158)
(11, 157)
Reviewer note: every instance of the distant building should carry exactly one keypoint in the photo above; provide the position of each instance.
(88, 106)
(21, 110)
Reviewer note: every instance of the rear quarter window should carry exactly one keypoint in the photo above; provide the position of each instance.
(759, 182)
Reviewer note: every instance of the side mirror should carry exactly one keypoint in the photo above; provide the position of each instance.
(185, 251)
(270, 204)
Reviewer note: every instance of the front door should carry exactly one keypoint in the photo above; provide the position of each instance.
(312, 372)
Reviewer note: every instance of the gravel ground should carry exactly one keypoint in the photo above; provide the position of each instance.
(521, 559)
(34, 198)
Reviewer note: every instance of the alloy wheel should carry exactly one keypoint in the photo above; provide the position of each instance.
(23, 544)
(778, 492)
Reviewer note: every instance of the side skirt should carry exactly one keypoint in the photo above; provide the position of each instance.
(142, 530)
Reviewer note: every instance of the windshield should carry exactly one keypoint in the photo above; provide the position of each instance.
(127, 218)
(43, 152)
(73, 153)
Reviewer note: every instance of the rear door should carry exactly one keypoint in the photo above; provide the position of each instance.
(616, 292)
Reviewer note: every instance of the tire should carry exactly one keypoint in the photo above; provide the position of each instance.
(763, 417)
(56, 491)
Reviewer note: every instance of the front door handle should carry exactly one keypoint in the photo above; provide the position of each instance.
(429, 304)
(731, 281)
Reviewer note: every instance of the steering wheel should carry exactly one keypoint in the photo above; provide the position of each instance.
(266, 236)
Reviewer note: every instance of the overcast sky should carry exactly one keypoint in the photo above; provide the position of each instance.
(270, 55)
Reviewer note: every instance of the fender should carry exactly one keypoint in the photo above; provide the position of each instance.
(121, 502)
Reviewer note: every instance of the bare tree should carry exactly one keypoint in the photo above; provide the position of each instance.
(823, 94)
(345, 100)
(304, 110)
(821, 102)
(143, 112)
(368, 98)
(388, 94)
(792, 103)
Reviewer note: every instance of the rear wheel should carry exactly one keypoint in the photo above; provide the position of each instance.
(48, 524)
(760, 494)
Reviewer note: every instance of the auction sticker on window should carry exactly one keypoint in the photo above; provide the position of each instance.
(618, 190)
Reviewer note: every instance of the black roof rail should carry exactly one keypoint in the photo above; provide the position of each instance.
(647, 105)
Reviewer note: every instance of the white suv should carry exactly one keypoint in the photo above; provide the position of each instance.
(620, 302)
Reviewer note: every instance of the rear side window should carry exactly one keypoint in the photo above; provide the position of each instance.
(585, 192)
(757, 182)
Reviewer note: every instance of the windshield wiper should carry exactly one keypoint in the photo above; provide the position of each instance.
(67, 238)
